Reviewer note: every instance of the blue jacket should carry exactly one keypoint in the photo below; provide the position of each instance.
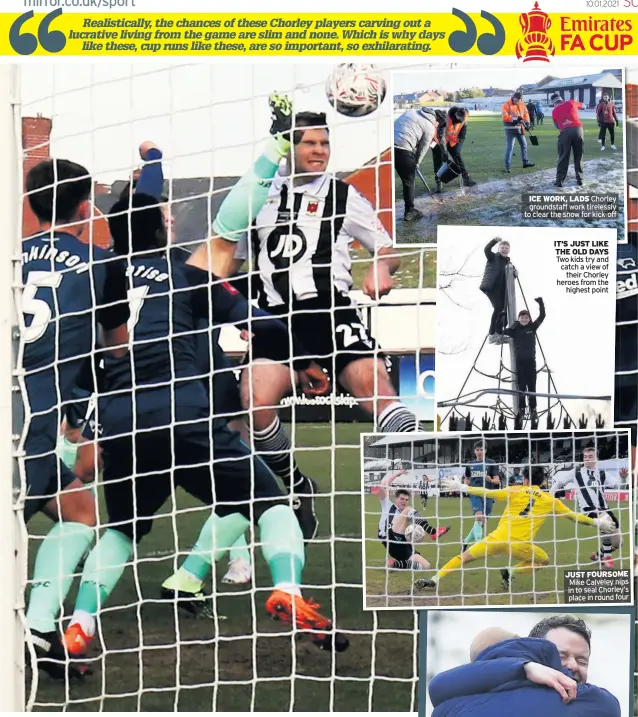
(496, 684)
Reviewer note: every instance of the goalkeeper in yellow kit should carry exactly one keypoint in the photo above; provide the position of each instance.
(528, 507)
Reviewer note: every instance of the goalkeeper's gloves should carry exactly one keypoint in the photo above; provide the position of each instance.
(281, 115)
(453, 485)
(605, 524)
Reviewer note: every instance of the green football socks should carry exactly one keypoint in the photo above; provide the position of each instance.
(215, 539)
(282, 545)
(102, 570)
(55, 564)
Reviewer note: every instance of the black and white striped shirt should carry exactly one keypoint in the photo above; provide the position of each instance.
(388, 511)
(301, 239)
(590, 486)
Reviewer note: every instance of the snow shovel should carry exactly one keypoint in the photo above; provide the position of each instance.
(422, 178)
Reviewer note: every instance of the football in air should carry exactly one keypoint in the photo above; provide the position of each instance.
(355, 90)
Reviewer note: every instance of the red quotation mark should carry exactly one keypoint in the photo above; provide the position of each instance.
(489, 43)
(26, 43)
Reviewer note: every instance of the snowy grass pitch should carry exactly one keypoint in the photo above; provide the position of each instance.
(496, 200)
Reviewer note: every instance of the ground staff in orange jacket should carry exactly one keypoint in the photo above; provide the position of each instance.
(448, 142)
(516, 121)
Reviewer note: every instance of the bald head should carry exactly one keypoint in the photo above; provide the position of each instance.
(488, 637)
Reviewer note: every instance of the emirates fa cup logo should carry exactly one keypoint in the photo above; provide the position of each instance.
(535, 43)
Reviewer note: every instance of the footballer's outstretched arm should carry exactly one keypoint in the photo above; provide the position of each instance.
(561, 483)
(245, 200)
(498, 494)
(151, 179)
(386, 482)
(216, 256)
(562, 511)
(475, 678)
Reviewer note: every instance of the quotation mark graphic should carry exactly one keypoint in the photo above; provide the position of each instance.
(26, 43)
(488, 43)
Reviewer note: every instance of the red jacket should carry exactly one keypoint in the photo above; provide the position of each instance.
(606, 112)
(565, 115)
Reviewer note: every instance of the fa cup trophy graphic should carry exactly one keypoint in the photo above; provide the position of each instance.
(535, 43)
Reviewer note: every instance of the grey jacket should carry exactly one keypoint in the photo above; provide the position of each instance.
(414, 130)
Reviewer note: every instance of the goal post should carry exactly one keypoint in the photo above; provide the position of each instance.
(12, 556)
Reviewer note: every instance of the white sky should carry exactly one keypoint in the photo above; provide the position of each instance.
(454, 631)
(577, 335)
(210, 119)
(506, 79)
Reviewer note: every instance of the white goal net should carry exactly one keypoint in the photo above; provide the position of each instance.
(210, 122)
(403, 474)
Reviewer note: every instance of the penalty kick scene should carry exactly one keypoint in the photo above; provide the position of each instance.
(525, 328)
(211, 311)
(451, 520)
(538, 146)
(526, 663)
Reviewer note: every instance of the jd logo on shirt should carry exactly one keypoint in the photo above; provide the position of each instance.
(286, 244)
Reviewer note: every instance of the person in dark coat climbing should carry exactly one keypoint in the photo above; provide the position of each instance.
(523, 334)
(451, 128)
(494, 287)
